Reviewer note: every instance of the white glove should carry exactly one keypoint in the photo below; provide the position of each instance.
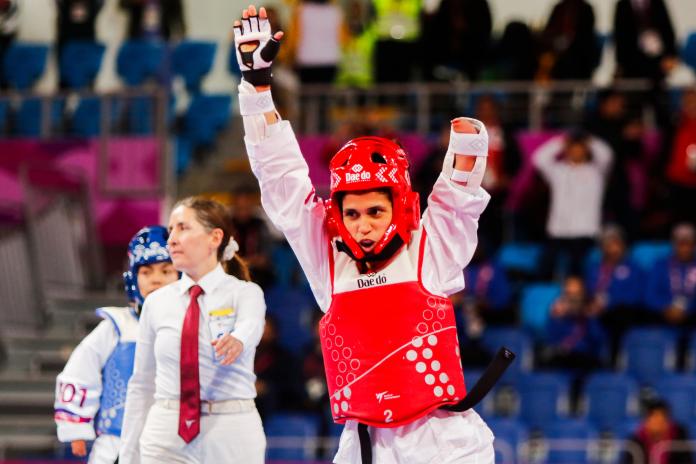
(256, 48)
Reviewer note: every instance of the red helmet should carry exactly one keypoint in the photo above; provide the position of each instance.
(368, 163)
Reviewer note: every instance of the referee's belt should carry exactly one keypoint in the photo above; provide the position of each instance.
(214, 407)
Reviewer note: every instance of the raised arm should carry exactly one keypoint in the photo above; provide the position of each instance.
(287, 194)
(454, 208)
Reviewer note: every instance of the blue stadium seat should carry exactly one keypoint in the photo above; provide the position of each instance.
(193, 60)
(293, 309)
(80, 62)
(570, 441)
(24, 64)
(86, 119)
(648, 353)
(516, 340)
(688, 53)
(543, 398)
(28, 118)
(646, 253)
(141, 115)
(535, 304)
(139, 60)
(509, 437)
(610, 399)
(184, 153)
(285, 264)
(291, 436)
(680, 393)
(521, 257)
(206, 116)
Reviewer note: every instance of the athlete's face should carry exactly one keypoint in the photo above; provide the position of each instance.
(153, 276)
(367, 215)
(192, 247)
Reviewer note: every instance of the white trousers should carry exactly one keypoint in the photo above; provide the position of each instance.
(224, 438)
(441, 437)
(104, 450)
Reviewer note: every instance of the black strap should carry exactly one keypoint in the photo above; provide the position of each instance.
(365, 444)
(490, 377)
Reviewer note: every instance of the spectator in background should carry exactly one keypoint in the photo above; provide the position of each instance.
(315, 36)
(644, 39)
(624, 134)
(76, 22)
(671, 286)
(154, 19)
(503, 164)
(253, 236)
(276, 373)
(77, 19)
(646, 48)
(681, 167)
(615, 285)
(515, 55)
(575, 166)
(569, 44)
(9, 23)
(398, 34)
(654, 435)
(356, 66)
(574, 336)
(487, 295)
(448, 35)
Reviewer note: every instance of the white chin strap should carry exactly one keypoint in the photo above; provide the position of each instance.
(469, 145)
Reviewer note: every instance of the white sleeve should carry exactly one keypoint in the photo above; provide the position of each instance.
(544, 158)
(79, 386)
(289, 199)
(251, 315)
(141, 390)
(451, 224)
(602, 155)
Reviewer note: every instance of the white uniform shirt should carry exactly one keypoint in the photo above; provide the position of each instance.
(451, 222)
(156, 372)
(79, 386)
(576, 189)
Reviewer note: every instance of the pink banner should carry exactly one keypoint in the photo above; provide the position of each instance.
(132, 164)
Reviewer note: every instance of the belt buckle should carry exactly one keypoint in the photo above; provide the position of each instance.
(208, 408)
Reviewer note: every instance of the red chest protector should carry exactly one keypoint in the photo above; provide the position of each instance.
(391, 351)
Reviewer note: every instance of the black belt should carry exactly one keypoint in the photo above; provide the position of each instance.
(490, 377)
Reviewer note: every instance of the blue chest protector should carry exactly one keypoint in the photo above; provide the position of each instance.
(117, 370)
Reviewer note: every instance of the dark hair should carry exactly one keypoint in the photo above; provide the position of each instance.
(656, 404)
(214, 215)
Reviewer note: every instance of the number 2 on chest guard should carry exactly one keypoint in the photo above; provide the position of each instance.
(221, 322)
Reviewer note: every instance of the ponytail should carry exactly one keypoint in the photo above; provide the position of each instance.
(214, 215)
(237, 267)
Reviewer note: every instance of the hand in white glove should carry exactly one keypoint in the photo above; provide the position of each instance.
(256, 47)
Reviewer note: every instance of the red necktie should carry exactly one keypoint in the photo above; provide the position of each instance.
(190, 399)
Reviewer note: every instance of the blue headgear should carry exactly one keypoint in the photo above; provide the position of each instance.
(148, 246)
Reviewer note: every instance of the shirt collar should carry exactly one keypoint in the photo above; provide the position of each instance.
(208, 282)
